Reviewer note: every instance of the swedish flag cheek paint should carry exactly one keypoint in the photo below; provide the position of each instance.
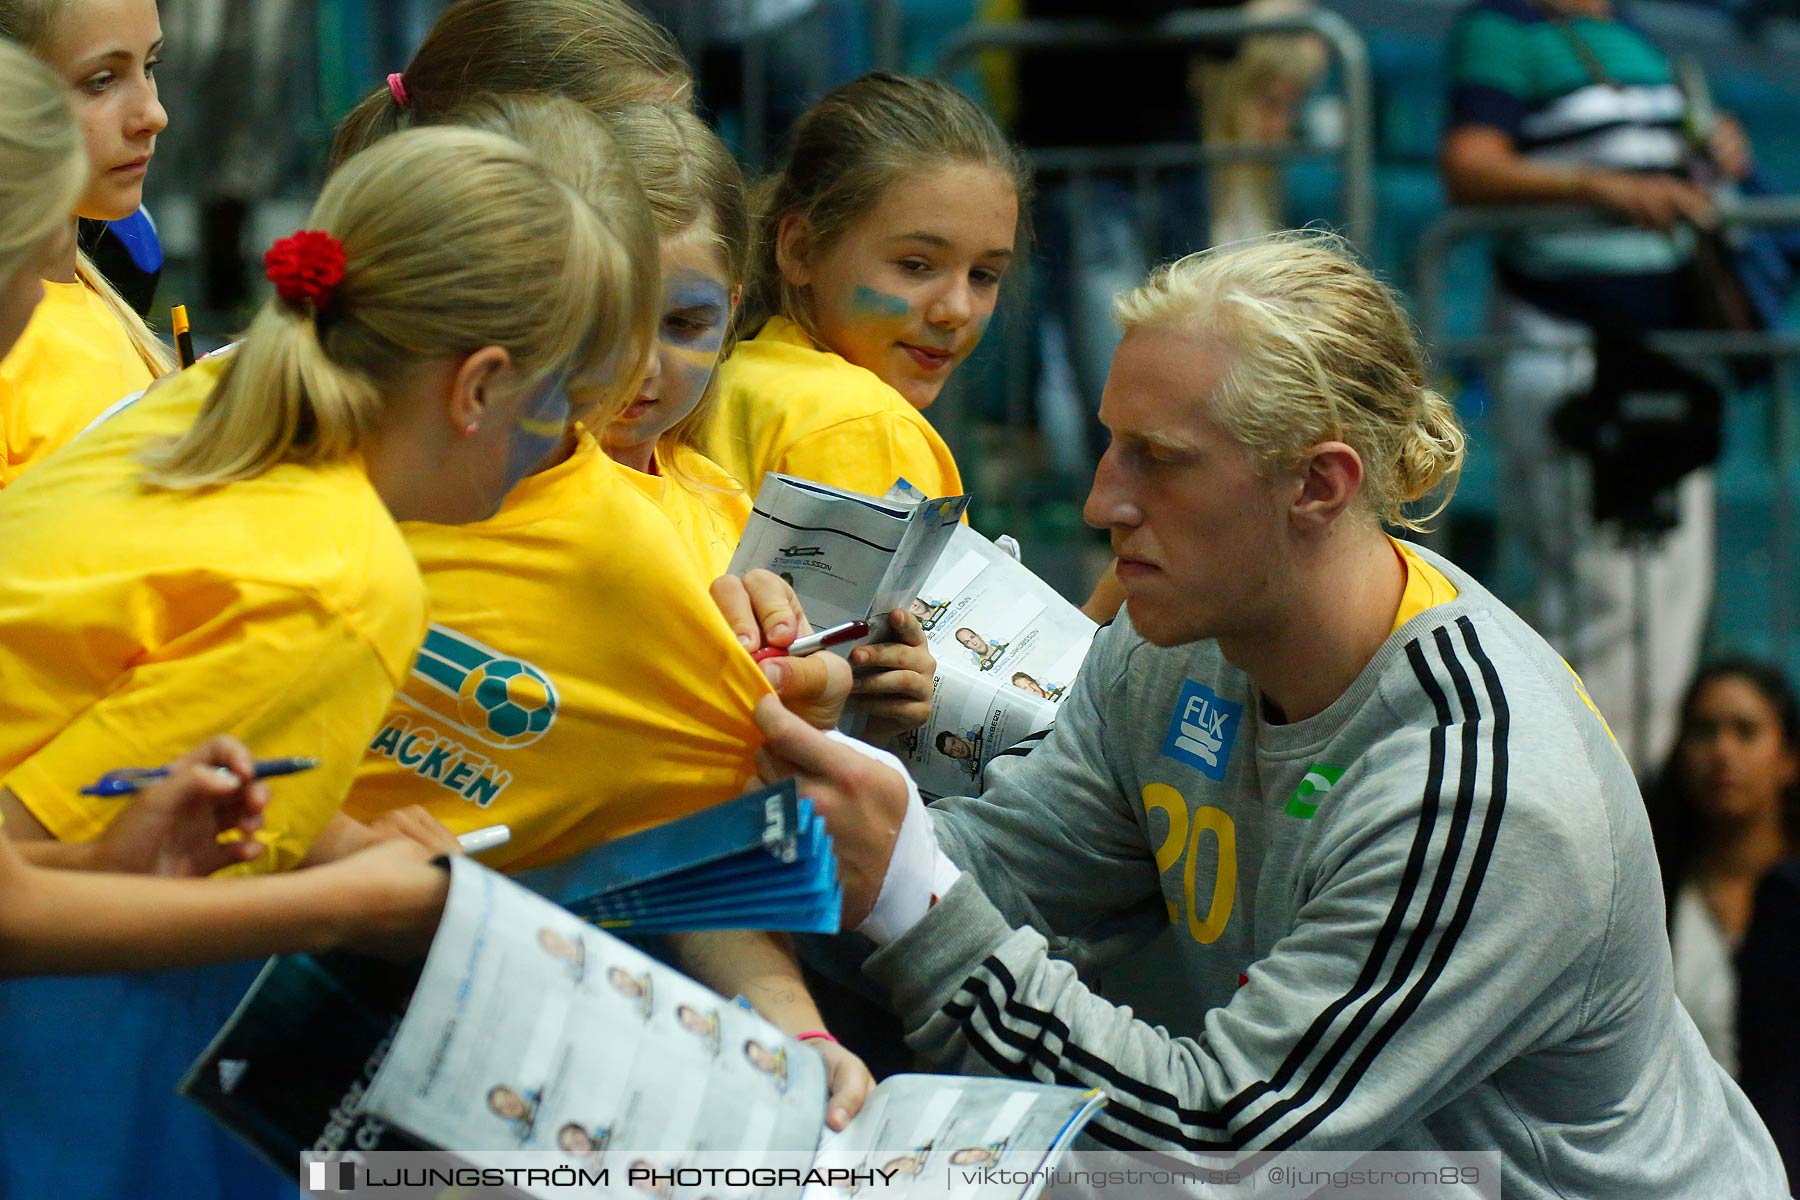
(866, 301)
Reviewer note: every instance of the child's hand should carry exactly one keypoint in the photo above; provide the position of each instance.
(894, 679)
(764, 613)
(173, 826)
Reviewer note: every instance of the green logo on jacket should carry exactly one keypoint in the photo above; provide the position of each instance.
(1319, 780)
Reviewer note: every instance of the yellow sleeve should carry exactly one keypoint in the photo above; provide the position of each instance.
(868, 453)
(320, 690)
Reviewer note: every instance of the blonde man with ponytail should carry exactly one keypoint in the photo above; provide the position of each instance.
(1413, 893)
(85, 347)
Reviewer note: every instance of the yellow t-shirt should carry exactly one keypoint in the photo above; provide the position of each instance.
(577, 683)
(137, 622)
(785, 405)
(1426, 586)
(707, 506)
(73, 360)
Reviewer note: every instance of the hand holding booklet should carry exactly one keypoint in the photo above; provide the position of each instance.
(1007, 645)
(526, 1030)
(849, 557)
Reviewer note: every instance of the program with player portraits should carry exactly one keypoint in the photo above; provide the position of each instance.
(1007, 645)
(528, 1030)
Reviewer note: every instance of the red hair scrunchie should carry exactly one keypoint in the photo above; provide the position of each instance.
(306, 267)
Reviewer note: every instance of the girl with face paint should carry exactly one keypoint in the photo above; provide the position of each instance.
(696, 193)
(881, 247)
(578, 682)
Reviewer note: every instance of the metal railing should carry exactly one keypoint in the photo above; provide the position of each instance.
(1777, 350)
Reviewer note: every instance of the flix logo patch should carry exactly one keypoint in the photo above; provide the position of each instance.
(1202, 730)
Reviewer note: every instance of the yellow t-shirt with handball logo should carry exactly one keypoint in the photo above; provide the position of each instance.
(73, 360)
(785, 405)
(136, 622)
(708, 507)
(577, 682)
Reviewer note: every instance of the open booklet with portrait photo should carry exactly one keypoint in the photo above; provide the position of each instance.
(1008, 647)
(526, 1029)
(849, 557)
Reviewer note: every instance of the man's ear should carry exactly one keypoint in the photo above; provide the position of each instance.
(1330, 476)
(472, 386)
(793, 246)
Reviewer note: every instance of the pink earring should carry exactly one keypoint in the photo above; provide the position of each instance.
(471, 429)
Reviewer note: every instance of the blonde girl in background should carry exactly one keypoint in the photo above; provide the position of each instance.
(64, 920)
(85, 347)
(881, 246)
(577, 683)
(598, 53)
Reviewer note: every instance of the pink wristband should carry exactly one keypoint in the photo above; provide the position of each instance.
(819, 1034)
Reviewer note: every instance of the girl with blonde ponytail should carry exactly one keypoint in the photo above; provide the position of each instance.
(629, 699)
(85, 347)
(225, 550)
(64, 920)
(224, 556)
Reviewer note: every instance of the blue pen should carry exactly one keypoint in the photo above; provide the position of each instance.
(127, 780)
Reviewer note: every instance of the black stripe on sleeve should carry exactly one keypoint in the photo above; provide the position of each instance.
(1484, 849)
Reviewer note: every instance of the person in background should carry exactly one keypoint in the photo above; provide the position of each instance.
(85, 347)
(1724, 814)
(1564, 102)
(1768, 991)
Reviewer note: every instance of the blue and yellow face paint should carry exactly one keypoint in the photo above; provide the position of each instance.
(867, 301)
(538, 430)
(696, 314)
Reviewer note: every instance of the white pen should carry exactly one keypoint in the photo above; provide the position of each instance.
(490, 837)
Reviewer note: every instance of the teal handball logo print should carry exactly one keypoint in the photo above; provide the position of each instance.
(503, 701)
(512, 700)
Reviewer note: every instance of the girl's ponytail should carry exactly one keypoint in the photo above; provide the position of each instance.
(438, 241)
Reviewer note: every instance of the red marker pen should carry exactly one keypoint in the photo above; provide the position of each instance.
(812, 643)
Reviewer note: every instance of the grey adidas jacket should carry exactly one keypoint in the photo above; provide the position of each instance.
(1428, 917)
